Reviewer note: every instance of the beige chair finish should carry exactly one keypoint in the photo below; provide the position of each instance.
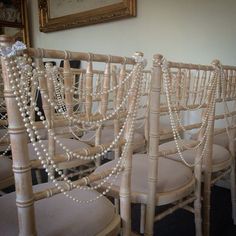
(30, 210)
(221, 161)
(6, 174)
(156, 180)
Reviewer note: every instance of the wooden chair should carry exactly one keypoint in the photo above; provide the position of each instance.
(220, 161)
(55, 144)
(110, 129)
(6, 174)
(157, 180)
(141, 121)
(59, 215)
(222, 165)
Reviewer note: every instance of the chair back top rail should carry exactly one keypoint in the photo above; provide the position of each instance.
(50, 53)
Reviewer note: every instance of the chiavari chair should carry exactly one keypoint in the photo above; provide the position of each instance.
(222, 165)
(43, 209)
(158, 180)
(6, 174)
(218, 161)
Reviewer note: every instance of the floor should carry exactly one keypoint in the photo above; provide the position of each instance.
(181, 223)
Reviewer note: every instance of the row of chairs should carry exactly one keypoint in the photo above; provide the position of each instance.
(6, 173)
(170, 173)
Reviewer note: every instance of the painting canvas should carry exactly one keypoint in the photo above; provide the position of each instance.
(14, 19)
(60, 8)
(64, 14)
(10, 13)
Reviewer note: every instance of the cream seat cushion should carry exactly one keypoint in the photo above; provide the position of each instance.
(171, 174)
(220, 139)
(72, 144)
(220, 154)
(107, 136)
(140, 128)
(60, 216)
(60, 131)
(5, 168)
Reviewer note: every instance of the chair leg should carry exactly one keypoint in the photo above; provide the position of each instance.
(197, 203)
(233, 191)
(142, 218)
(38, 176)
(232, 176)
(117, 205)
(206, 203)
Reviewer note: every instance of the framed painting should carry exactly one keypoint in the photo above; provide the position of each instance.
(13, 19)
(57, 15)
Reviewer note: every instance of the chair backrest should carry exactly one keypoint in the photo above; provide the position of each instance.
(22, 67)
(176, 89)
(225, 118)
(4, 137)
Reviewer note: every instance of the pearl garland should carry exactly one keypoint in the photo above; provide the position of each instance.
(57, 74)
(176, 135)
(97, 122)
(6, 150)
(204, 119)
(71, 154)
(25, 112)
(226, 108)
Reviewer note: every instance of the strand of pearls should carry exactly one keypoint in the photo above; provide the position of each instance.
(20, 103)
(6, 150)
(4, 136)
(95, 123)
(205, 98)
(72, 155)
(127, 78)
(3, 117)
(58, 87)
(22, 108)
(176, 113)
(105, 118)
(226, 108)
(122, 159)
(204, 119)
(173, 124)
(203, 123)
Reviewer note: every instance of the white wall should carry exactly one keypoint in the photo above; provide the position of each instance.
(194, 31)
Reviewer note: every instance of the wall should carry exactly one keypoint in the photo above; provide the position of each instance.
(194, 31)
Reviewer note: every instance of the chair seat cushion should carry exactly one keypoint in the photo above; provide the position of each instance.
(171, 174)
(59, 215)
(220, 139)
(220, 154)
(140, 128)
(60, 131)
(72, 144)
(107, 136)
(5, 168)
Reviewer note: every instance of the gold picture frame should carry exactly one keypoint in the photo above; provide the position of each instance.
(14, 19)
(57, 15)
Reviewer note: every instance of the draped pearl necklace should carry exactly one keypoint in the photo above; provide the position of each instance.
(21, 73)
(205, 121)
